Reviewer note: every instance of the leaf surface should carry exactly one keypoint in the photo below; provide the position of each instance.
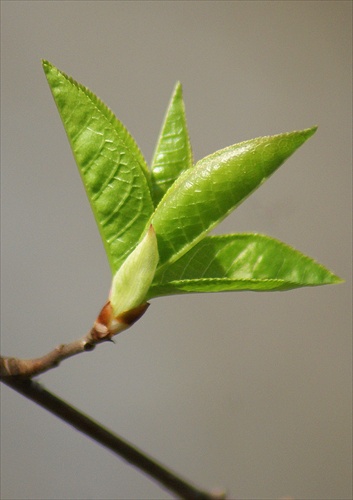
(173, 151)
(202, 196)
(112, 168)
(132, 281)
(240, 262)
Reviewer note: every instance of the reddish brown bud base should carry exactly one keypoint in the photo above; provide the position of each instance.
(106, 325)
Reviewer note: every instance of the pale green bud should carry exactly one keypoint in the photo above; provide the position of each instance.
(133, 280)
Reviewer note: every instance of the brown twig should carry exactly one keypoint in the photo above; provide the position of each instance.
(12, 367)
(16, 373)
(15, 367)
(105, 327)
(37, 393)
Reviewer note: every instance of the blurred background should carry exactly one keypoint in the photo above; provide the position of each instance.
(246, 391)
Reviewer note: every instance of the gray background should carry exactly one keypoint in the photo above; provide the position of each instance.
(247, 391)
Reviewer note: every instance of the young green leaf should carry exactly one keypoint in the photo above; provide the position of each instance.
(173, 151)
(111, 165)
(240, 262)
(132, 281)
(202, 196)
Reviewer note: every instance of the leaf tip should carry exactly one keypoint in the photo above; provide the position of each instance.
(310, 131)
(152, 233)
(336, 280)
(328, 278)
(46, 65)
(178, 89)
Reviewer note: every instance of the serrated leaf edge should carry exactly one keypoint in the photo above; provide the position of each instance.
(108, 114)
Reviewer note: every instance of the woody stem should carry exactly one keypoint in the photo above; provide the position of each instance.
(37, 393)
(14, 367)
(101, 332)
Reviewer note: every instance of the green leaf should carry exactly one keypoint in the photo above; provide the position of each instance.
(111, 165)
(173, 151)
(202, 196)
(132, 281)
(240, 262)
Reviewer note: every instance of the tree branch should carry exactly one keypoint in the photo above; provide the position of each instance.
(10, 367)
(37, 393)
(16, 374)
(103, 330)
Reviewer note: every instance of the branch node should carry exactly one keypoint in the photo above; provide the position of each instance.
(89, 346)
